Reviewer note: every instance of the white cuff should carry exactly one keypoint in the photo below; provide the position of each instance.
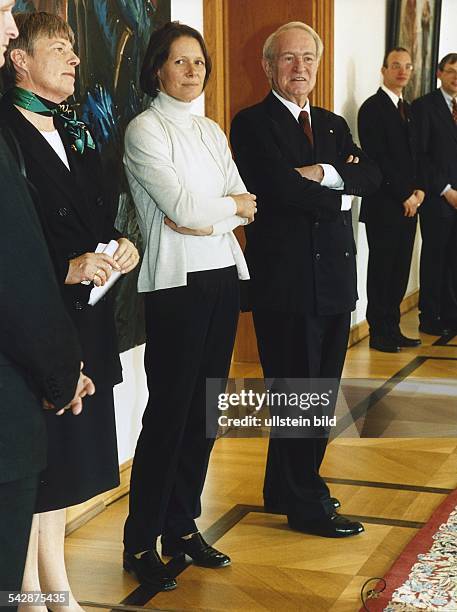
(332, 179)
(448, 186)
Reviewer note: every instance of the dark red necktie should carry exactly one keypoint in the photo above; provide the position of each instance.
(454, 110)
(401, 108)
(303, 120)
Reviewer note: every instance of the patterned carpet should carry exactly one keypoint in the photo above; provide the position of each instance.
(424, 577)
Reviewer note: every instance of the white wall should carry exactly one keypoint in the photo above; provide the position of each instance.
(448, 38)
(130, 397)
(360, 35)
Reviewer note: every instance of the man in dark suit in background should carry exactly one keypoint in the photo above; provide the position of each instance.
(436, 115)
(303, 166)
(39, 353)
(387, 135)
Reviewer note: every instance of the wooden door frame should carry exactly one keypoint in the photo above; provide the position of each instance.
(217, 103)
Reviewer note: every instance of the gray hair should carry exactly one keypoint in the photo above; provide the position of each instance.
(270, 43)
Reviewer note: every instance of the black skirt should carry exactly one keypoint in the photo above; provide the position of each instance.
(82, 454)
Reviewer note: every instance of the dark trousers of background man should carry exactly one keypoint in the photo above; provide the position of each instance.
(299, 346)
(438, 268)
(190, 333)
(17, 504)
(389, 263)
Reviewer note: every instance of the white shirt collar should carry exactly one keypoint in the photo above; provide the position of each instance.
(393, 96)
(294, 108)
(448, 98)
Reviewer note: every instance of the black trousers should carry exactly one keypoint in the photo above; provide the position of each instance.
(438, 267)
(299, 346)
(389, 263)
(17, 504)
(190, 333)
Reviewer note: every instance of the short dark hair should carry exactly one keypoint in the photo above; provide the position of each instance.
(394, 49)
(158, 52)
(450, 58)
(32, 26)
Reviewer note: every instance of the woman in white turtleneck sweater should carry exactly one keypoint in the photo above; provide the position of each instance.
(188, 197)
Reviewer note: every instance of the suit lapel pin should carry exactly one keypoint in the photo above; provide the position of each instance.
(331, 131)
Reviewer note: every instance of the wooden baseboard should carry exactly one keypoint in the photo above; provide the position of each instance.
(81, 514)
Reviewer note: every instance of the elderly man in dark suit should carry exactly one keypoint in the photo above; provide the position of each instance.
(39, 352)
(387, 134)
(303, 165)
(436, 115)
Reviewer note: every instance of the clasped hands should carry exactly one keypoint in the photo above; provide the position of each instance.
(315, 172)
(84, 387)
(97, 267)
(246, 208)
(413, 202)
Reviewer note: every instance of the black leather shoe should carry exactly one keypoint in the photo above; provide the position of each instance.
(275, 508)
(435, 328)
(196, 548)
(402, 340)
(386, 344)
(333, 526)
(149, 569)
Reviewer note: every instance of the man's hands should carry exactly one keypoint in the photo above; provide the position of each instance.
(312, 173)
(84, 387)
(315, 172)
(451, 197)
(245, 205)
(187, 231)
(413, 202)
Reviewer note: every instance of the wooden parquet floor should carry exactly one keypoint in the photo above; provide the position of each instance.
(393, 483)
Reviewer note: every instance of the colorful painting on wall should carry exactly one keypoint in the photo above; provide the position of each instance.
(111, 39)
(415, 25)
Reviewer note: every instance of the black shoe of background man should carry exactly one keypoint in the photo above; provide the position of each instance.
(404, 341)
(433, 327)
(386, 344)
(149, 570)
(196, 548)
(277, 508)
(333, 526)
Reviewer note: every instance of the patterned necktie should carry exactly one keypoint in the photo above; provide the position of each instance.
(454, 110)
(401, 108)
(303, 120)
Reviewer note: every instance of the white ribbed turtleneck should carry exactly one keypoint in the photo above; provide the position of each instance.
(179, 165)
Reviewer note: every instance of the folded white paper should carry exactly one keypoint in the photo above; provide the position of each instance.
(98, 292)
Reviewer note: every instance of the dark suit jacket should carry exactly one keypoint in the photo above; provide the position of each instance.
(75, 215)
(300, 249)
(39, 351)
(437, 151)
(392, 144)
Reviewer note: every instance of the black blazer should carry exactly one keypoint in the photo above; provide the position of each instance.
(39, 350)
(75, 215)
(300, 249)
(437, 151)
(392, 144)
